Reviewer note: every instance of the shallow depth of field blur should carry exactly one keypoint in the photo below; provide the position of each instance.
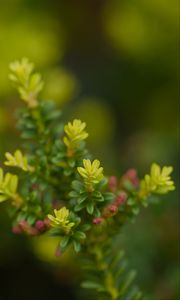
(113, 64)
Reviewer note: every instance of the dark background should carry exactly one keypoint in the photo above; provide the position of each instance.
(114, 64)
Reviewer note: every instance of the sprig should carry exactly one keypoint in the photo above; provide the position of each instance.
(29, 84)
(62, 192)
(8, 188)
(61, 220)
(18, 160)
(75, 134)
(158, 181)
(91, 173)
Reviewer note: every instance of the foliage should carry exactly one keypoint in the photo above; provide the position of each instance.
(58, 175)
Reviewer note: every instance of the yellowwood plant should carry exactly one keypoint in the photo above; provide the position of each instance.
(65, 192)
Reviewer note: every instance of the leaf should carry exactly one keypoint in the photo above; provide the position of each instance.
(97, 194)
(108, 196)
(55, 114)
(1, 175)
(28, 134)
(54, 232)
(82, 198)
(86, 227)
(90, 208)
(102, 183)
(79, 235)
(77, 246)
(127, 282)
(3, 198)
(135, 210)
(128, 186)
(71, 163)
(73, 194)
(78, 207)
(64, 242)
(131, 201)
(77, 185)
(67, 172)
(100, 199)
(92, 285)
(97, 212)
(7, 178)
(31, 219)
(13, 183)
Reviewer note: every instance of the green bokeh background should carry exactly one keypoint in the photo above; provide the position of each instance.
(114, 64)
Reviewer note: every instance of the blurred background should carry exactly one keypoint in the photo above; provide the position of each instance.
(114, 64)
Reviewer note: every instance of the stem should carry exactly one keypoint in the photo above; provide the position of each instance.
(97, 254)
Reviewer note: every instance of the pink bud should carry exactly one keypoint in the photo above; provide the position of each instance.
(97, 221)
(27, 228)
(47, 222)
(135, 182)
(16, 229)
(58, 252)
(121, 198)
(112, 208)
(112, 183)
(40, 226)
(131, 174)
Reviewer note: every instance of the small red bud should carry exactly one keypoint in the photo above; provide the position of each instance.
(40, 226)
(58, 252)
(97, 221)
(131, 174)
(47, 222)
(112, 208)
(27, 228)
(121, 198)
(112, 183)
(16, 229)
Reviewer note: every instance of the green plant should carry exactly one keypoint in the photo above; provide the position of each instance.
(64, 192)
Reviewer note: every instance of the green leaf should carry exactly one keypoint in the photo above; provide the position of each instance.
(82, 198)
(28, 134)
(73, 194)
(97, 212)
(3, 198)
(80, 235)
(90, 208)
(52, 115)
(71, 163)
(54, 232)
(77, 185)
(31, 219)
(92, 285)
(13, 183)
(77, 246)
(1, 175)
(64, 242)
(78, 207)
(127, 282)
(131, 201)
(128, 185)
(101, 199)
(67, 172)
(22, 216)
(96, 194)
(108, 196)
(135, 210)
(102, 183)
(85, 227)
